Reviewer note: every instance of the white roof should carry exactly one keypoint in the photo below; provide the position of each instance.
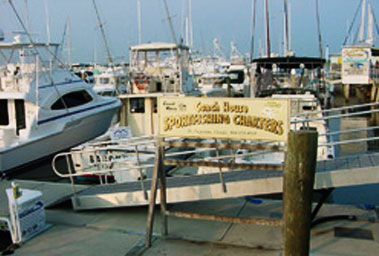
(156, 46)
(10, 45)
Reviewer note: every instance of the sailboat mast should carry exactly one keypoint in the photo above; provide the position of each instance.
(362, 26)
(370, 25)
(190, 23)
(253, 5)
(139, 21)
(47, 23)
(109, 57)
(267, 30)
(170, 22)
(319, 30)
(286, 49)
(27, 20)
(187, 41)
(68, 42)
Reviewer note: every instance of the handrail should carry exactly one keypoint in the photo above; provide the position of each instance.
(131, 145)
(348, 141)
(100, 171)
(336, 109)
(335, 116)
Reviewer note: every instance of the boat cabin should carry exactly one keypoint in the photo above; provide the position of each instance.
(160, 67)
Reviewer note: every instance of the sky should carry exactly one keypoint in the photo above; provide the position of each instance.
(226, 20)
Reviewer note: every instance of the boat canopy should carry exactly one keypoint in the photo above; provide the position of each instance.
(289, 62)
(24, 45)
(160, 46)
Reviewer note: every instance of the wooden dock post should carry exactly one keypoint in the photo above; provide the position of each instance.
(157, 173)
(299, 173)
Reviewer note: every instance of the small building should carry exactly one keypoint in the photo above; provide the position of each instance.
(360, 64)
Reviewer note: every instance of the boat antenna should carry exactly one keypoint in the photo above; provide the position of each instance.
(170, 22)
(47, 22)
(101, 26)
(29, 36)
(190, 24)
(139, 21)
(66, 39)
(376, 23)
(286, 49)
(31, 41)
(253, 5)
(319, 30)
(370, 23)
(36, 49)
(267, 30)
(27, 14)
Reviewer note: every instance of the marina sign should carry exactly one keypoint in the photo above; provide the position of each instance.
(356, 65)
(224, 118)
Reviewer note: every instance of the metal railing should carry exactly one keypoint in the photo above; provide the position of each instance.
(135, 148)
(335, 113)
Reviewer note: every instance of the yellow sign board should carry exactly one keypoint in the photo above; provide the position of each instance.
(224, 118)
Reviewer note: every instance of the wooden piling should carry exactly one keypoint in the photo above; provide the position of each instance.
(299, 173)
(153, 193)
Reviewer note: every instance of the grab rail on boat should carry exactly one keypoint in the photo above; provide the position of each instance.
(95, 172)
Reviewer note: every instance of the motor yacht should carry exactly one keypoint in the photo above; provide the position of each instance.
(44, 107)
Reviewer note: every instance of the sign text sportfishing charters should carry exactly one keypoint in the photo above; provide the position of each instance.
(221, 113)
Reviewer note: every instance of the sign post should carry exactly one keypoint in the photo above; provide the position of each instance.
(299, 174)
(240, 119)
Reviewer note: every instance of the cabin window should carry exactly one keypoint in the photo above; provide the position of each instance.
(20, 115)
(159, 86)
(236, 76)
(137, 105)
(72, 99)
(4, 118)
(155, 105)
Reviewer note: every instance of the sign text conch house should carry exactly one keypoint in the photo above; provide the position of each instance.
(224, 118)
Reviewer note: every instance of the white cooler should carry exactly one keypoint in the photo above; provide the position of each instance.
(27, 214)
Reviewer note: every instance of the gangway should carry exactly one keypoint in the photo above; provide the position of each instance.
(348, 171)
(358, 169)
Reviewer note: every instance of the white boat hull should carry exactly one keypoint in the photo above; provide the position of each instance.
(73, 134)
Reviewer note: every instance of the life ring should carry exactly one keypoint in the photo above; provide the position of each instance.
(141, 82)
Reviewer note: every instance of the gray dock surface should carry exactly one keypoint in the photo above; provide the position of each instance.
(121, 231)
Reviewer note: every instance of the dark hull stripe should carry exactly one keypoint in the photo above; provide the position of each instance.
(74, 112)
(57, 84)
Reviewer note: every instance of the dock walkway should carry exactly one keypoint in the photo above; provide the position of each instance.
(347, 171)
